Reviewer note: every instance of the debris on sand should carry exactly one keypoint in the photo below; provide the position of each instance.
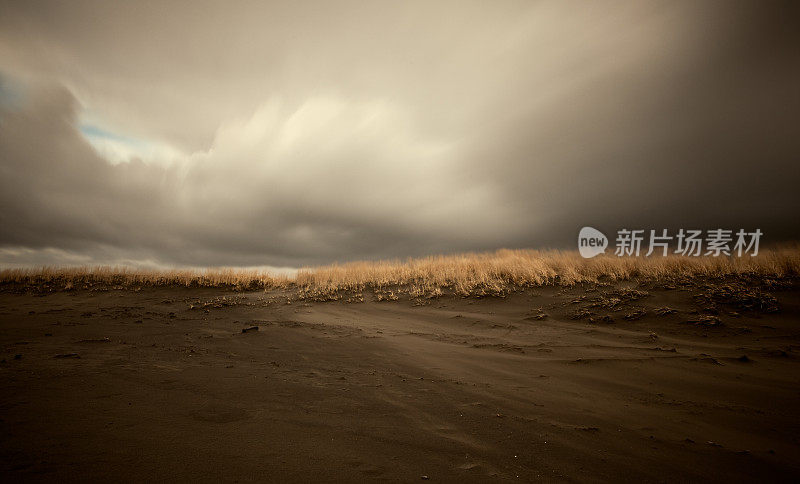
(663, 311)
(629, 294)
(710, 321)
(385, 295)
(250, 329)
(218, 302)
(67, 355)
(739, 294)
(581, 313)
(537, 315)
(636, 314)
(709, 359)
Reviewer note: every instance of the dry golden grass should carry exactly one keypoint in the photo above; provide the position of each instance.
(125, 277)
(464, 274)
(495, 273)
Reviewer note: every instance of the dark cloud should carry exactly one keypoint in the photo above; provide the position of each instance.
(282, 136)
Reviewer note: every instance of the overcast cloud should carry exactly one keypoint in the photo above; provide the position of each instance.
(295, 133)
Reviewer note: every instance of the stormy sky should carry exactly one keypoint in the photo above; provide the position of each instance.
(285, 134)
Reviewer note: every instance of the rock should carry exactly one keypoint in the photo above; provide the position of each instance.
(95, 340)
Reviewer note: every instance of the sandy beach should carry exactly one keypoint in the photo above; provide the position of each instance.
(588, 383)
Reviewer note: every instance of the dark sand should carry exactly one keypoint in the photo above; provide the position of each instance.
(136, 386)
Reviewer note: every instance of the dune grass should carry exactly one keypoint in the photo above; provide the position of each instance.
(476, 274)
(495, 273)
(126, 277)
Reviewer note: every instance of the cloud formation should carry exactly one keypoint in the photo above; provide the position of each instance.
(280, 135)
